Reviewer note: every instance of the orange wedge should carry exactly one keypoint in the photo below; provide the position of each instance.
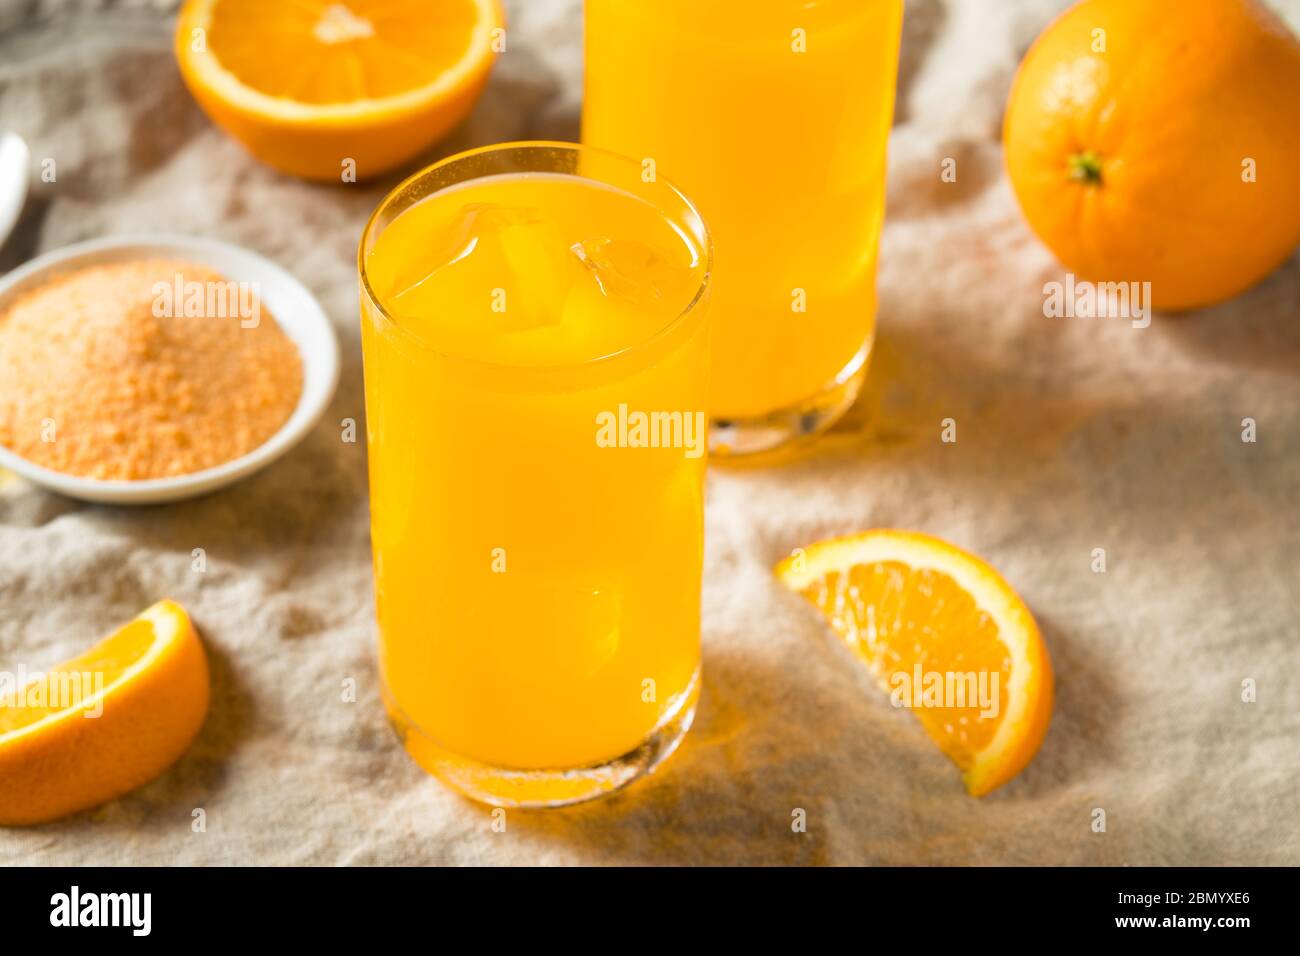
(326, 89)
(105, 722)
(944, 635)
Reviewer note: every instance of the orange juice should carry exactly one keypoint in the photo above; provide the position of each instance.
(527, 311)
(773, 117)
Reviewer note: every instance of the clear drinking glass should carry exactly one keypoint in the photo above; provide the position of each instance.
(527, 311)
(774, 117)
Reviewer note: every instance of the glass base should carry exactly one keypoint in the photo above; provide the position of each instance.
(506, 787)
(741, 437)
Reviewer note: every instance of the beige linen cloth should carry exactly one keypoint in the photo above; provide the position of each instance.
(1073, 435)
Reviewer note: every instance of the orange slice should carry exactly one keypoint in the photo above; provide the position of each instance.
(944, 635)
(105, 722)
(324, 89)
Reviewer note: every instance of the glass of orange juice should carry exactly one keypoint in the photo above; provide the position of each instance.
(774, 118)
(535, 342)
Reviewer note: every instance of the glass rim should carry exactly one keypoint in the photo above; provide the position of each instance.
(663, 332)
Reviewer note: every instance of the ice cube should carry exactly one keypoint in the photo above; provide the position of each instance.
(633, 272)
(512, 260)
(454, 245)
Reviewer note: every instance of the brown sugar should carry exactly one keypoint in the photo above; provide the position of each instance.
(147, 368)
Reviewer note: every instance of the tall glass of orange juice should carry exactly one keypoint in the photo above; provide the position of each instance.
(773, 116)
(536, 368)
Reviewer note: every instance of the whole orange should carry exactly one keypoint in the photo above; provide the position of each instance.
(1155, 141)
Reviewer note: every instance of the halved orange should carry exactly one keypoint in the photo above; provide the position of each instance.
(945, 635)
(323, 88)
(103, 723)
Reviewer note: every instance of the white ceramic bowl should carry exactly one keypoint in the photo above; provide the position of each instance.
(295, 309)
(14, 161)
